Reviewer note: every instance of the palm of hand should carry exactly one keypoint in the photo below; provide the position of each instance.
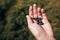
(39, 31)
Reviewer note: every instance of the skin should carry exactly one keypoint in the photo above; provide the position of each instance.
(40, 32)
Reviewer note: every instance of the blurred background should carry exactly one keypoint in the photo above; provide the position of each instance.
(13, 24)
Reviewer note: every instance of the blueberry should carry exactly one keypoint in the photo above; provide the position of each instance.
(39, 21)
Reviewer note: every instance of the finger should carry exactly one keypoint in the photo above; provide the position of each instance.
(39, 12)
(30, 12)
(47, 25)
(44, 14)
(29, 20)
(35, 10)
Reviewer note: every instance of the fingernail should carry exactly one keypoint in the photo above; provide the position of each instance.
(34, 4)
(42, 10)
(26, 15)
(38, 8)
(30, 6)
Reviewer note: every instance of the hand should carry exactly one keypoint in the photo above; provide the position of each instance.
(41, 32)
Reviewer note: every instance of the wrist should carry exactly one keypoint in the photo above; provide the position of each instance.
(46, 38)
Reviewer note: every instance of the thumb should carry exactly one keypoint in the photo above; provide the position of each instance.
(29, 20)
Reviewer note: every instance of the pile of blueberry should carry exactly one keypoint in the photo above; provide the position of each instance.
(39, 21)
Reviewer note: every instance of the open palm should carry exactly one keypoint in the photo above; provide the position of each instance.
(41, 32)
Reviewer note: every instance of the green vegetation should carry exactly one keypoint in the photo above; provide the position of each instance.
(13, 25)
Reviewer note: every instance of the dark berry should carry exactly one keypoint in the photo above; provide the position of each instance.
(39, 21)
